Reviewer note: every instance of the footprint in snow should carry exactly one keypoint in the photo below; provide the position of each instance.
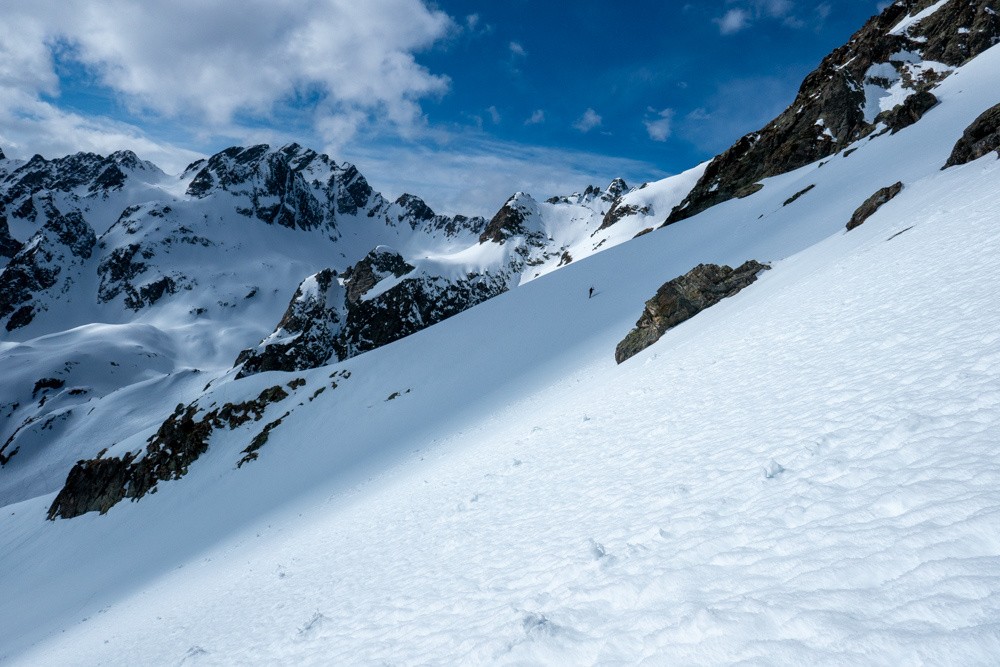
(773, 469)
(313, 627)
(194, 654)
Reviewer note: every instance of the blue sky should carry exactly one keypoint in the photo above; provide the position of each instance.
(459, 102)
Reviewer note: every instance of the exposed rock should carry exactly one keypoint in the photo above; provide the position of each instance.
(99, 484)
(829, 112)
(276, 183)
(620, 210)
(307, 335)
(684, 297)
(872, 204)
(327, 321)
(510, 219)
(980, 138)
(909, 112)
(45, 262)
(9, 246)
(82, 174)
(415, 209)
(375, 267)
(798, 194)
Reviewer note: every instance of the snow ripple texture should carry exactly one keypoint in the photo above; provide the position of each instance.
(805, 474)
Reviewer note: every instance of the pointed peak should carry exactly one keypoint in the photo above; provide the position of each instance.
(617, 187)
(415, 206)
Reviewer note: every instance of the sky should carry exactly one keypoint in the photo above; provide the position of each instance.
(461, 103)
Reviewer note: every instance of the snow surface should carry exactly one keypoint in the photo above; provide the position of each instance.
(805, 473)
(903, 26)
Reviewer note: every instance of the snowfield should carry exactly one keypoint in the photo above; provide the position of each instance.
(806, 473)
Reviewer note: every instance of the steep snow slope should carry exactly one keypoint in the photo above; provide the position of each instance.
(806, 472)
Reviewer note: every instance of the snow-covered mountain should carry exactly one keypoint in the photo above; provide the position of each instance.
(127, 279)
(335, 458)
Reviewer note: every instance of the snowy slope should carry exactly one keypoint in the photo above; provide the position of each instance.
(175, 276)
(807, 472)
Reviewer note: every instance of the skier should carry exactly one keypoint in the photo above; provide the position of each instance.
(591, 294)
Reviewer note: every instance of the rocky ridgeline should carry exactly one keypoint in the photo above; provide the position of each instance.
(99, 484)
(377, 301)
(831, 110)
(289, 187)
(684, 297)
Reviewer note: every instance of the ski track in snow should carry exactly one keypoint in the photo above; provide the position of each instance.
(805, 474)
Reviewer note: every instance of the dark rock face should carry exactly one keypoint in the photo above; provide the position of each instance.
(275, 182)
(375, 267)
(129, 270)
(64, 242)
(618, 211)
(308, 334)
(509, 220)
(872, 204)
(829, 111)
(416, 210)
(411, 306)
(327, 321)
(9, 246)
(684, 297)
(84, 174)
(980, 138)
(909, 112)
(99, 484)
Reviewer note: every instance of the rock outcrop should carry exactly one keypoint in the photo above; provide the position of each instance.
(77, 176)
(909, 112)
(99, 484)
(872, 204)
(980, 138)
(840, 102)
(48, 263)
(510, 219)
(684, 297)
(377, 301)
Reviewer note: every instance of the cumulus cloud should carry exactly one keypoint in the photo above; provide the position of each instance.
(588, 121)
(660, 127)
(212, 64)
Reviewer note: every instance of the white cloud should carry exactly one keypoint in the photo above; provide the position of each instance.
(537, 117)
(211, 63)
(517, 50)
(733, 21)
(494, 115)
(747, 12)
(588, 121)
(661, 126)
